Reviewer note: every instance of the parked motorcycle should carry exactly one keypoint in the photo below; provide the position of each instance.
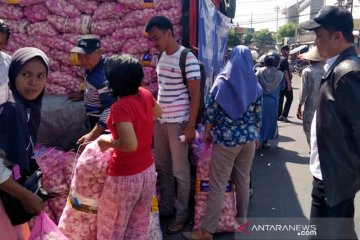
(298, 66)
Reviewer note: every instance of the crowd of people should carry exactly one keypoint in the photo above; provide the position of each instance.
(243, 108)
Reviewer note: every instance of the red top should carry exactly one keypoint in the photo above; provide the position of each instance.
(136, 109)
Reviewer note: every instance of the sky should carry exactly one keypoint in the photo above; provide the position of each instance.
(261, 14)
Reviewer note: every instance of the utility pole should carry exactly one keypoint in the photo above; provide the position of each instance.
(251, 20)
(298, 20)
(277, 9)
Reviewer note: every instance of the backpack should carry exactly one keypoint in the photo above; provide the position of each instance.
(182, 63)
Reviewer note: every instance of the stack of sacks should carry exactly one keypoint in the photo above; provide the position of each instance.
(227, 222)
(78, 219)
(56, 166)
(54, 26)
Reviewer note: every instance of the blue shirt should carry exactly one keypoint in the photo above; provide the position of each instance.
(97, 95)
(231, 133)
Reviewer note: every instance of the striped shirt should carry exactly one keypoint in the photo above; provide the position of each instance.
(5, 60)
(173, 95)
(97, 95)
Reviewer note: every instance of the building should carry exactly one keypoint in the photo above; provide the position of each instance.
(304, 10)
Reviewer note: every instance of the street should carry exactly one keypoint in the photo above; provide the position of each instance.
(281, 179)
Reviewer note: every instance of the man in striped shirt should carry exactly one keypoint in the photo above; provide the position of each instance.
(97, 95)
(180, 104)
(5, 60)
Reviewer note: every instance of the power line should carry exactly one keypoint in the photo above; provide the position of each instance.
(273, 19)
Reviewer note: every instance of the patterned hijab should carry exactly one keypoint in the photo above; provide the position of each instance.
(236, 87)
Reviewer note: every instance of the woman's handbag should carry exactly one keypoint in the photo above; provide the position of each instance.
(15, 211)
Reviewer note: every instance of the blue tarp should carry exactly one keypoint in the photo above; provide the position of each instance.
(213, 32)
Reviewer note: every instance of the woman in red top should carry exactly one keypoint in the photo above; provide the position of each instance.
(124, 205)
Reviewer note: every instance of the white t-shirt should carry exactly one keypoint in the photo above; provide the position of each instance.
(173, 95)
(314, 154)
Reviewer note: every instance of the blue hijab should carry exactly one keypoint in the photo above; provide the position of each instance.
(236, 87)
(28, 113)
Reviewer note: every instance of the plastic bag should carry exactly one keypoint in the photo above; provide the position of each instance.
(36, 13)
(87, 6)
(227, 222)
(45, 229)
(105, 27)
(109, 10)
(79, 24)
(138, 17)
(62, 8)
(41, 29)
(8, 11)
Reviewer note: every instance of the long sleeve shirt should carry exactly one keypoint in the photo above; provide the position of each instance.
(97, 95)
(309, 90)
(231, 133)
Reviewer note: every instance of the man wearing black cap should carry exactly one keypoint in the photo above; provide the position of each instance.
(97, 95)
(335, 130)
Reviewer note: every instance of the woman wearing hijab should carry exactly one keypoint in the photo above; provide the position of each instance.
(232, 118)
(270, 78)
(19, 121)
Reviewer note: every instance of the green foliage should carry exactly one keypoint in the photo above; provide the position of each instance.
(233, 39)
(263, 38)
(286, 30)
(247, 38)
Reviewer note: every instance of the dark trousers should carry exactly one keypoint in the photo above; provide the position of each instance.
(335, 222)
(289, 98)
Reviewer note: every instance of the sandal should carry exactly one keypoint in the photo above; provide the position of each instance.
(176, 226)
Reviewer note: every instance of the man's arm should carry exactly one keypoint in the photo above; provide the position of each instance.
(348, 99)
(303, 92)
(284, 66)
(194, 90)
(287, 79)
(99, 128)
(106, 99)
(127, 141)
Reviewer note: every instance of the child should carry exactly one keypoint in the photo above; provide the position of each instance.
(124, 205)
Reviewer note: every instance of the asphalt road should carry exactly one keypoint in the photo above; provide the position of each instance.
(281, 182)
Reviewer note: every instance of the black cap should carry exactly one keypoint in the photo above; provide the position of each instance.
(336, 18)
(86, 44)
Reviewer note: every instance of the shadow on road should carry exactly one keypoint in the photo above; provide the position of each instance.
(274, 194)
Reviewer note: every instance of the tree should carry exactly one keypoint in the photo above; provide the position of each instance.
(263, 38)
(286, 30)
(233, 38)
(248, 39)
